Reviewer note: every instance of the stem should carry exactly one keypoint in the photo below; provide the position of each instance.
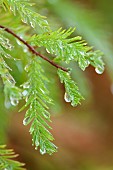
(32, 50)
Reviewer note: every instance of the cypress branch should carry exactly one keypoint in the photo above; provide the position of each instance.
(32, 50)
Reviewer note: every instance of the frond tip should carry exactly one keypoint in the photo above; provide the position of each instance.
(68, 49)
(6, 162)
(37, 100)
(72, 93)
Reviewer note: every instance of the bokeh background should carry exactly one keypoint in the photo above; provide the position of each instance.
(83, 134)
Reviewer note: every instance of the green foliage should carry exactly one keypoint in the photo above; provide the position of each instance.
(69, 49)
(37, 97)
(72, 93)
(34, 90)
(27, 15)
(12, 92)
(92, 24)
(6, 162)
(4, 44)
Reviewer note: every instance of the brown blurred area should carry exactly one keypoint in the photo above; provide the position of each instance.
(79, 141)
(84, 134)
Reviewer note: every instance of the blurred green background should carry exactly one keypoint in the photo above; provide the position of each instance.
(84, 134)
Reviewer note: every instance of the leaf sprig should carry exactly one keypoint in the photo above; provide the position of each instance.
(37, 98)
(27, 15)
(69, 49)
(6, 162)
(72, 93)
(12, 93)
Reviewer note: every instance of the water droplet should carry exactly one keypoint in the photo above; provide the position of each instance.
(24, 93)
(14, 101)
(10, 78)
(25, 50)
(18, 42)
(9, 46)
(60, 45)
(99, 70)
(55, 147)
(26, 85)
(36, 148)
(88, 62)
(12, 9)
(68, 73)
(26, 99)
(43, 151)
(73, 104)
(31, 107)
(37, 143)
(42, 91)
(27, 67)
(11, 81)
(82, 53)
(67, 97)
(24, 20)
(7, 103)
(25, 121)
(47, 50)
(31, 130)
(8, 56)
(32, 24)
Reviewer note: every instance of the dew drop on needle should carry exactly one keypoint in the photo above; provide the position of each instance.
(67, 97)
(43, 151)
(99, 70)
(14, 101)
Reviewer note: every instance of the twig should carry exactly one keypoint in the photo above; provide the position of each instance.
(32, 50)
